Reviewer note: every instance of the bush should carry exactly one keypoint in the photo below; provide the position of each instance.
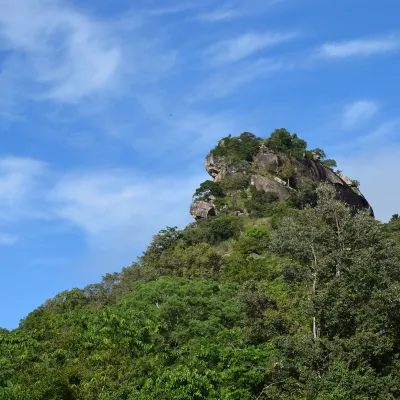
(282, 141)
(236, 182)
(258, 205)
(214, 230)
(207, 190)
(256, 241)
(244, 147)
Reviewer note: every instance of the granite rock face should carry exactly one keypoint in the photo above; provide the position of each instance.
(202, 209)
(269, 184)
(215, 166)
(264, 177)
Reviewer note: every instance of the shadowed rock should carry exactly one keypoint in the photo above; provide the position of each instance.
(202, 209)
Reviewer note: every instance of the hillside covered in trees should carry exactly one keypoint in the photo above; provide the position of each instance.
(284, 287)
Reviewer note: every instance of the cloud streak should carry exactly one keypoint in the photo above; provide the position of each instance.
(359, 112)
(69, 55)
(360, 47)
(236, 49)
(7, 239)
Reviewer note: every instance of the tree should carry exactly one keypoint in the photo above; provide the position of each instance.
(207, 190)
(287, 172)
(329, 163)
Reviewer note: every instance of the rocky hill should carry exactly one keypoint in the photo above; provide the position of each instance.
(268, 299)
(286, 178)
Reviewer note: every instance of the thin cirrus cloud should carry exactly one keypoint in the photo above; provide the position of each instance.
(358, 113)
(230, 80)
(233, 50)
(360, 47)
(19, 181)
(7, 239)
(218, 15)
(67, 55)
(98, 202)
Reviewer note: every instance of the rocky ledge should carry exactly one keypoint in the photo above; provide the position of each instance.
(263, 177)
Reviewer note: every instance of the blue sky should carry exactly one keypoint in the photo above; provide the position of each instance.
(91, 161)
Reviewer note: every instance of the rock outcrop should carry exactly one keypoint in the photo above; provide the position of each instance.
(264, 177)
(202, 209)
(270, 185)
(215, 166)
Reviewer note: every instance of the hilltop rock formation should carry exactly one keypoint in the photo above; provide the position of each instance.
(202, 209)
(264, 176)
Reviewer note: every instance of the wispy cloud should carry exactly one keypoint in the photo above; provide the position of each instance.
(218, 15)
(7, 239)
(360, 47)
(19, 182)
(173, 9)
(229, 80)
(67, 53)
(236, 49)
(359, 112)
(102, 201)
(55, 51)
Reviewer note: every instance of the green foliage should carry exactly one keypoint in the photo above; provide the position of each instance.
(301, 304)
(208, 190)
(235, 182)
(244, 147)
(5, 390)
(260, 203)
(303, 197)
(330, 163)
(283, 141)
(256, 241)
(287, 172)
(213, 230)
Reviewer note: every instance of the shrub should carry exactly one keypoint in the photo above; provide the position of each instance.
(258, 205)
(214, 230)
(243, 147)
(207, 190)
(236, 182)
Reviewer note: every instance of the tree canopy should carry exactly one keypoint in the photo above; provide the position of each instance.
(294, 300)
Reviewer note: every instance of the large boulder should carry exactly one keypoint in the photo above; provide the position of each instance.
(202, 209)
(215, 166)
(266, 157)
(269, 184)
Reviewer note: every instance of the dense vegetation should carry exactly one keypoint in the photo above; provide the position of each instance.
(296, 300)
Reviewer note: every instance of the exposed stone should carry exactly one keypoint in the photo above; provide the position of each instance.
(202, 209)
(268, 161)
(266, 156)
(215, 166)
(269, 184)
(281, 181)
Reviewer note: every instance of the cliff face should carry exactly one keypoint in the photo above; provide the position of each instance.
(264, 175)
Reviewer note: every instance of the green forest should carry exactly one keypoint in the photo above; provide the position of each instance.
(296, 299)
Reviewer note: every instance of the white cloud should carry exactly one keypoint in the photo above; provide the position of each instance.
(231, 79)
(360, 47)
(19, 181)
(218, 15)
(173, 9)
(70, 54)
(233, 50)
(359, 112)
(7, 239)
(104, 201)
